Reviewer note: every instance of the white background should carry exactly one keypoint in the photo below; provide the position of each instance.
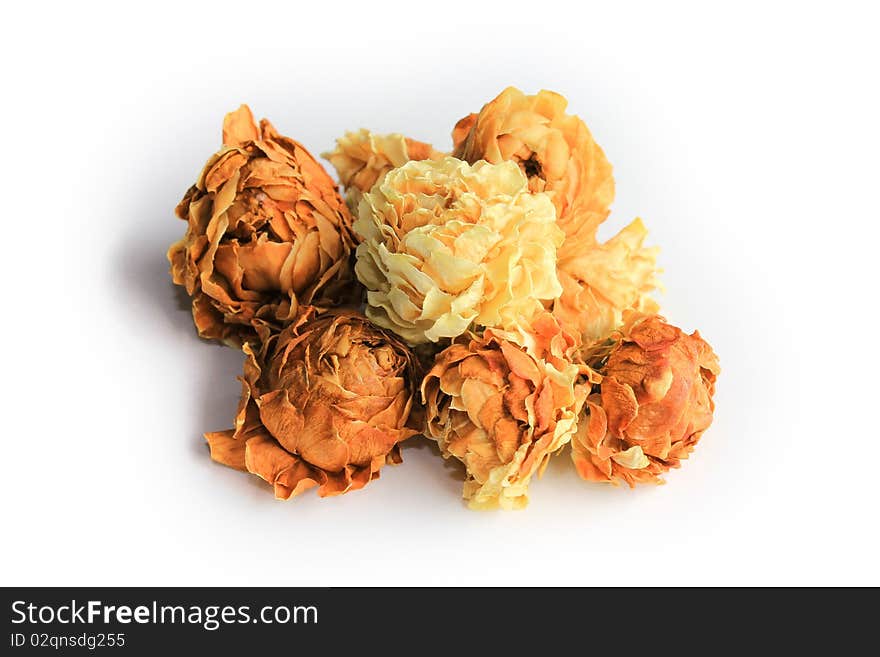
(746, 138)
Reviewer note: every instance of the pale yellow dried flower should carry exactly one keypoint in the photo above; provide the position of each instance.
(445, 245)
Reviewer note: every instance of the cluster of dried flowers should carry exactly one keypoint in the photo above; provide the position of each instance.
(464, 296)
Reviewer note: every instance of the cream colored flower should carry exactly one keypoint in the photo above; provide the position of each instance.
(362, 158)
(601, 281)
(445, 245)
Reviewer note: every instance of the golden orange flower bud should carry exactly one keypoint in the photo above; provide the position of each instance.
(502, 409)
(324, 403)
(601, 281)
(653, 404)
(555, 150)
(266, 231)
(362, 159)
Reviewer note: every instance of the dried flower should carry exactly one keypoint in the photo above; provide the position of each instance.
(555, 150)
(654, 402)
(502, 409)
(362, 158)
(445, 245)
(324, 403)
(266, 232)
(602, 281)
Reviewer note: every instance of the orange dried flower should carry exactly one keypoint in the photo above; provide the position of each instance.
(502, 409)
(601, 281)
(555, 150)
(324, 403)
(266, 231)
(653, 405)
(362, 159)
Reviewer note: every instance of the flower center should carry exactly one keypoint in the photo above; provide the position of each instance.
(532, 166)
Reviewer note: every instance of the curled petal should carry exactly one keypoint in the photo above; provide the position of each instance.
(226, 449)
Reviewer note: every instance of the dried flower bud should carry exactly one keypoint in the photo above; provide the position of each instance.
(555, 150)
(445, 245)
(362, 159)
(324, 403)
(601, 281)
(654, 402)
(266, 232)
(502, 409)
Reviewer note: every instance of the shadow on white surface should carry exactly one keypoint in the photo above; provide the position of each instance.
(453, 468)
(162, 311)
